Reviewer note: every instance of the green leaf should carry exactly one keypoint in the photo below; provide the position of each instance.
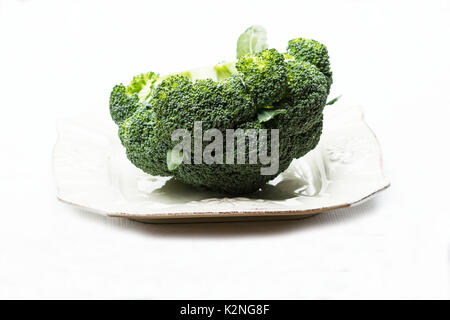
(174, 159)
(332, 101)
(267, 115)
(253, 40)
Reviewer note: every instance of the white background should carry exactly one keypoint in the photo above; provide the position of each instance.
(61, 58)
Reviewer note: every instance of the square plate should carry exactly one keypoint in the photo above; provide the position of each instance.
(92, 172)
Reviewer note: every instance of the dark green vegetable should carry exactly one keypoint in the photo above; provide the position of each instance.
(262, 89)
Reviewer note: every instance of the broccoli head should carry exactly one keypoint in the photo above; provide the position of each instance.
(261, 90)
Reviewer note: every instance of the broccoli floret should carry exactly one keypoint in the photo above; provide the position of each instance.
(124, 101)
(262, 90)
(304, 102)
(265, 75)
(314, 52)
(122, 104)
(140, 135)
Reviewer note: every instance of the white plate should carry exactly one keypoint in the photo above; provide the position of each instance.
(93, 172)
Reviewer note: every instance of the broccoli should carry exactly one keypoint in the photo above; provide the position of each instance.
(262, 89)
(314, 52)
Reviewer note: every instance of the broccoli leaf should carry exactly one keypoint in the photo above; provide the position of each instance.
(267, 115)
(253, 40)
(174, 159)
(333, 101)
